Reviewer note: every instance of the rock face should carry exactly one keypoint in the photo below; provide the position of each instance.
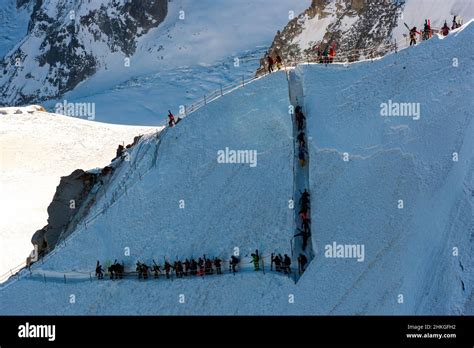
(349, 24)
(74, 197)
(70, 195)
(67, 41)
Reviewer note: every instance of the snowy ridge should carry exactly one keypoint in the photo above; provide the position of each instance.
(361, 27)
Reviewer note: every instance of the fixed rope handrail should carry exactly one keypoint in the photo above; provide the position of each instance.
(245, 265)
(346, 57)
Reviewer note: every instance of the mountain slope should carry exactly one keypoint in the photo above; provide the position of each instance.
(408, 158)
(69, 42)
(185, 172)
(407, 251)
(14, 18)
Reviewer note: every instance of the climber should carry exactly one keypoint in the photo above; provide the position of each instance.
(178, 269)
(426, 30)
(234, 261)
(270, 62)
(299, 118)
(287, 264)
(200, 264)
(455, 24)
(319, 53)
(302, 261)
(305, 225)
(300, 139)
(167, 267)
(304, 199)
(99, 272)
(304, 207)
(277, 261)
(187, 267)
(208, 267)
(332, 53)
(255, 260)
(171, 121)
(279, 62)
(175, 268)
(305, 221)
(413, 33)
(305, 235)
(156, 269)
(303, 215)
(325, 55)
(145, 271)
(217, 263)
(117, 269)
(301, 156)
(445, 29)
(193, 267)
(139, 269)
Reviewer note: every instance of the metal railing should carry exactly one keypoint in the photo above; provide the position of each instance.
(245, 266)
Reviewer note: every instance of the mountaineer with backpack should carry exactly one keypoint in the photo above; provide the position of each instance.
(218, 263)
(234, 261)
(270, 62)
(413, 33)
(256, 260)
(287, 264)
(445, 29)
(171, 120)
(99, 272)
(302, 262)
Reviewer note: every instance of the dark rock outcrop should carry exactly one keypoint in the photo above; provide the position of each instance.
(372, 23)
(69, 197)
(74, 197)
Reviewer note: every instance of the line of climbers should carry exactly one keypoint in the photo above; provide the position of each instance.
(326, 52)
(302, 151)
(200, 267)
(428, 31)
(326, 55)
(271, 62)
(304, 202)
(305, 231)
